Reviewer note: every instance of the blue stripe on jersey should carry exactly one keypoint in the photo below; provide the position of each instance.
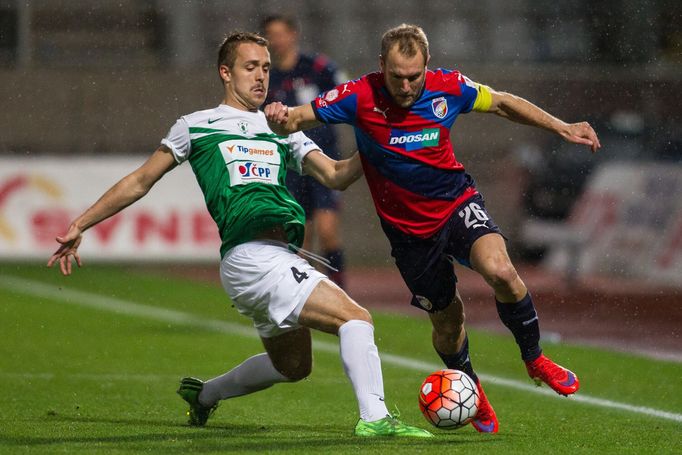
(468, 93)
(414, 176)
(424, 109)
(342, 111)
(456, 104)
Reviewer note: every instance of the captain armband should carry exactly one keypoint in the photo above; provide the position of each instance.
(483, 99)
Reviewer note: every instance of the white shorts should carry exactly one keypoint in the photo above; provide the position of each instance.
(269, 284)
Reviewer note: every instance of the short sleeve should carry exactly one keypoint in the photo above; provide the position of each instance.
(477, 96)
(484, 99)
(178, 140)
(300, 145)
(338, 105)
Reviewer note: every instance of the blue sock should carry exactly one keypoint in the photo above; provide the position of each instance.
(335, 259)
(522, 320)
(460, 361)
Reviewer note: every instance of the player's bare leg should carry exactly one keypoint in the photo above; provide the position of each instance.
(291, 353)
(452, 344)
(489, 258)
(328, 307)
(330, 310)
(516, 310)
(448, 327)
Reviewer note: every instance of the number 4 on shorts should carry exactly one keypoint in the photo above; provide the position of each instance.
(299, 276)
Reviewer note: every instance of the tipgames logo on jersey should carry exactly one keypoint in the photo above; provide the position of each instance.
(413, 140)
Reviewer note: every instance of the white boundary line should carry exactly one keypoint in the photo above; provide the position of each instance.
(124, 307)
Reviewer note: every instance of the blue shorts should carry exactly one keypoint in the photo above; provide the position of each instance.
(427, 264)
(311, 194)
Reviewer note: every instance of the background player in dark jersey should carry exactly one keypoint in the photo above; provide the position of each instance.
(297, 78)
(428, 205)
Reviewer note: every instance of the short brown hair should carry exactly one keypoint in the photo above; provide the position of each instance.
(228, 50)
(290, 21)
(409, 38)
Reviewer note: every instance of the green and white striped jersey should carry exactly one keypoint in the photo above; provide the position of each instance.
(241, 165)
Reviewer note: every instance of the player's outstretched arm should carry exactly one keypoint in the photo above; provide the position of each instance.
(337, 175)
(128, 190)
(284, 120)
(520, 110)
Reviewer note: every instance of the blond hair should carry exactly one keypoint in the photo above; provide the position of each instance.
(409, 38)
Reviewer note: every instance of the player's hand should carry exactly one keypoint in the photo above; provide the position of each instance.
(68, 248)
(581, 133)
(277, 115)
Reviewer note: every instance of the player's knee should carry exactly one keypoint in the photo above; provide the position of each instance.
(501, 274)
(361, 314)
(350, 310)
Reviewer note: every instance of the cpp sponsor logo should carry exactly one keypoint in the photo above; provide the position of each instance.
(413, 140)
(251, 170)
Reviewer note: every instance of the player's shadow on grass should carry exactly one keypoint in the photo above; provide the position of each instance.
(177, 437)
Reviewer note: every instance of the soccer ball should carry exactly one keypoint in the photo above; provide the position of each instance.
(448, 399)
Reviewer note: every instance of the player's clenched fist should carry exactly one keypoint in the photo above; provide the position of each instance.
(276, 113)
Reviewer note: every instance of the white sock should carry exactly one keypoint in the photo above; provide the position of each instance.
(362, 365)
(254, 374)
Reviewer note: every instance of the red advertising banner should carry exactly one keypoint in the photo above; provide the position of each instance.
(39, 197)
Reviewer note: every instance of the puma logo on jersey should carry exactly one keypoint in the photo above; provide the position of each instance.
(376, 109)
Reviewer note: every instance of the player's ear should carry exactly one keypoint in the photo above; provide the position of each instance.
(225, 74)
(381, 62)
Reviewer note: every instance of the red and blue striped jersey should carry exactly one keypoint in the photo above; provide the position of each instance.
(407, 156)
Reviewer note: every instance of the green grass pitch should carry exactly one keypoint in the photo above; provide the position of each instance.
(90, 364)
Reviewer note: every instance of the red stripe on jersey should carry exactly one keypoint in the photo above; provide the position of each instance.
(439, 81)
(411, 213)
(379, 115)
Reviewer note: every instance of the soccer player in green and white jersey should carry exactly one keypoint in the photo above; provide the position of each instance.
(240, 166)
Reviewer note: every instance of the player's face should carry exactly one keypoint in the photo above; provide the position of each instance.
(248, 79)
(282, 39)
(403, 75)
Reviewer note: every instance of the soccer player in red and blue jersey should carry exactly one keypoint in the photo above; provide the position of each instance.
(428, 204)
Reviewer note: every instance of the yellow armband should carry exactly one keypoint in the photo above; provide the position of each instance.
(484, 98)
